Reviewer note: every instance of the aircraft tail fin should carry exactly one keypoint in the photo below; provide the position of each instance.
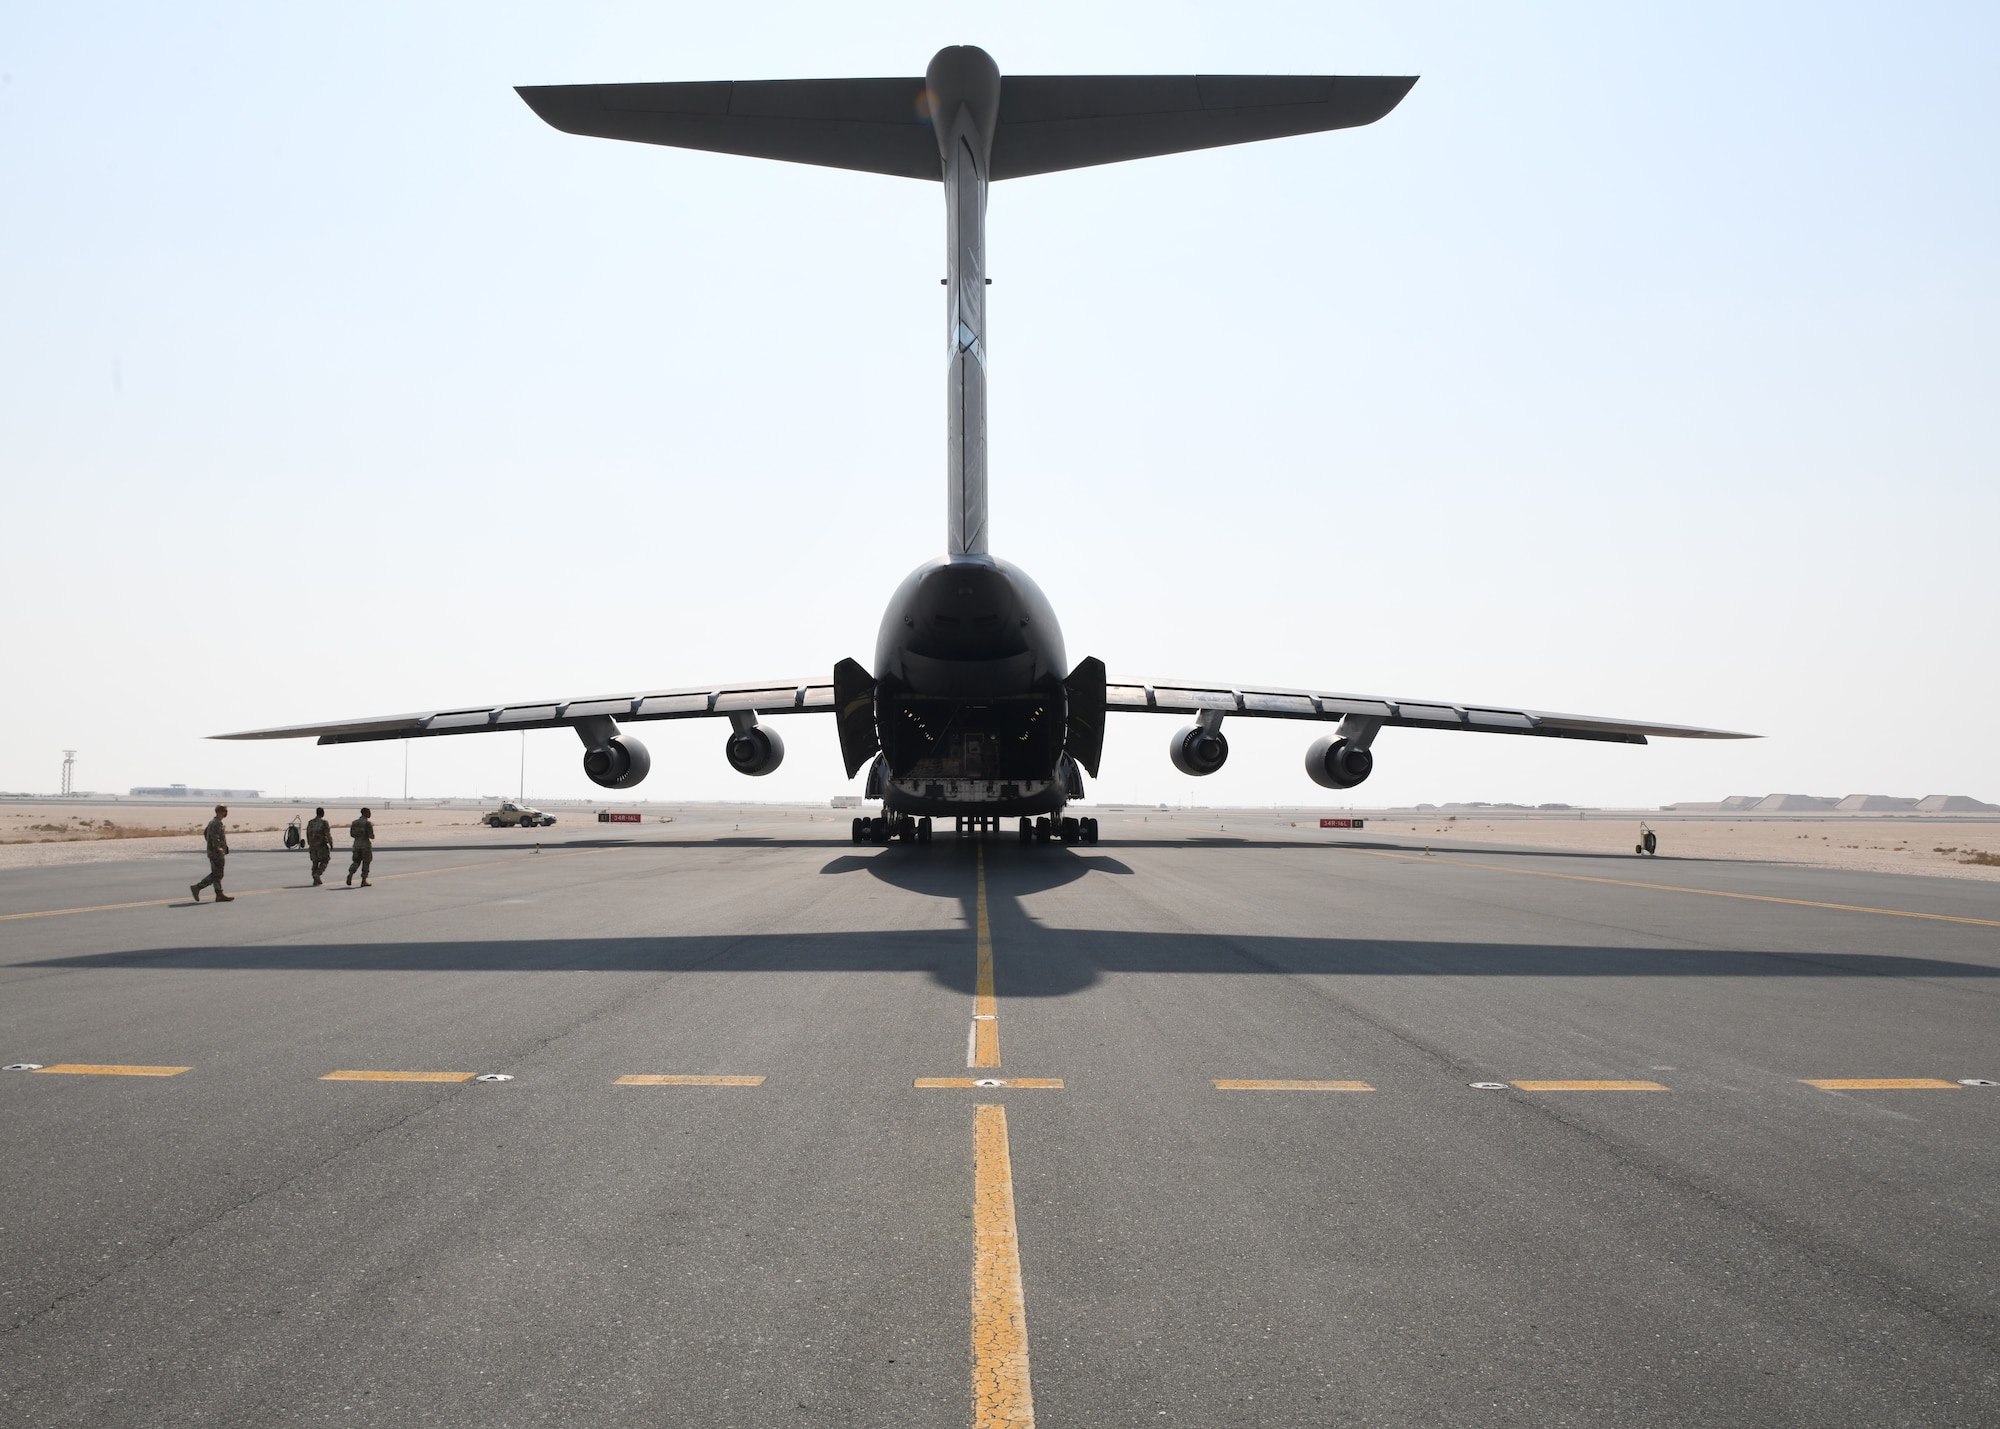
(1046, 122)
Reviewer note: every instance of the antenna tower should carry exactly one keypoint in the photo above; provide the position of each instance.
(69, 772)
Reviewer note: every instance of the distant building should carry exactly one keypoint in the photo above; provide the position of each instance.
(1734, 804)
(846, 801)
(182, 791)
(1852, 804)
(1793, 804)
(1954, 804)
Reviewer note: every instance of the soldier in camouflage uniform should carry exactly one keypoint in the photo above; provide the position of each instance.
(217, 840)
(362, 831)
(319, 844)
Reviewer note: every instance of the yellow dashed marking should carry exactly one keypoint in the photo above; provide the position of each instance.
(397, 1077)
(1589, 1086)
(1042, 1083)
(1288, 1086)
(109, 1069)
(985, 1006)
(1676, 888)
(648, 1079)
(1880, 1084)
(1002, 1393)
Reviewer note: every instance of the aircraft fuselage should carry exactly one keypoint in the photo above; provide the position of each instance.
(970, 706)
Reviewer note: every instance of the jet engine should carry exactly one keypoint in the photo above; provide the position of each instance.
(1333, 763)
(1198, 751)
(755, 750)
(617, 763)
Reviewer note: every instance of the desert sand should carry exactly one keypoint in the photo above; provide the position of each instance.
(1937, 847)
(71, 832)
(56, 832)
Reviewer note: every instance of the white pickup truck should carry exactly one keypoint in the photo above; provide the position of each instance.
(511, 815)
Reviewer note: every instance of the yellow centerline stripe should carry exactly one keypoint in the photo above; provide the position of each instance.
(1240, 1085)
(985, 1006)
(1038, 1083)
(643, 1079)
(1679, 888)
(397, 1077)
(1002, 1395)
(1881, 1084)
(302, 887)
(1589, 1086)
(111, 1069)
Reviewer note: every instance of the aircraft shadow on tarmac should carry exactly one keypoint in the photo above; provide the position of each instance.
(1034, 959)
(1058, 962)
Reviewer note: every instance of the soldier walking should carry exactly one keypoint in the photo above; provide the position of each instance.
(319, 844)
(362, 831)
(217, 840)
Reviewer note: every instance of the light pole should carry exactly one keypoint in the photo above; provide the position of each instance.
(68, 774)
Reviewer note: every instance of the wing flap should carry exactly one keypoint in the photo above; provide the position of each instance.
(1189, 699)
(766, 698)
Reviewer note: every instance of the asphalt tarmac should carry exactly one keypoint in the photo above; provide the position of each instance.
(249, 1242)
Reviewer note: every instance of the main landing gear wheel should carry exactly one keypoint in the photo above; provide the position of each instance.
(1027, 830)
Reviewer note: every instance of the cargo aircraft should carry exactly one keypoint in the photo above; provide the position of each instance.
(971, 709)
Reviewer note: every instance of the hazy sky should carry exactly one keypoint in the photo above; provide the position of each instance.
(1641, 363)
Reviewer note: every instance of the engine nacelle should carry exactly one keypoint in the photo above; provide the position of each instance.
(1333, 763)
(618, 763)
(755, 751)
(1198, 751)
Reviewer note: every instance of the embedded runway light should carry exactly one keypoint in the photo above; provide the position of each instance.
(1488, 1086)
(494, 1077)
(1963, 1082)
(22, 1067)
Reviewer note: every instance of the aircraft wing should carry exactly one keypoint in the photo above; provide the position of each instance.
(772, 697)
(1270, 702)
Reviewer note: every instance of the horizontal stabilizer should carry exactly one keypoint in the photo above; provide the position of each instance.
(867, 124)
(1046, 123)
(1059, 121)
